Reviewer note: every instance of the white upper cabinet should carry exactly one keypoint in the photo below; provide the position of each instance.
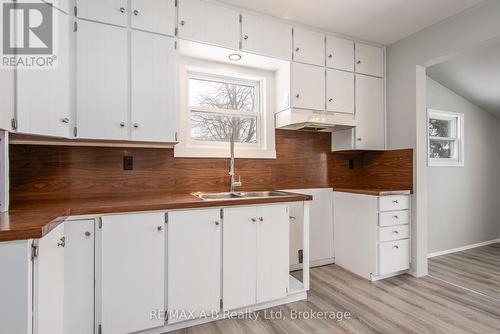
(153, 15)
(45, 98)
(308, 46)
(369, 60)
(308, 86)
(109, 11)
(266, 36)
(339, 53)
(194, 263)
(370, 115)
(153, 87)
(102, 81)
(205, 22)
(130, 272)
(339, 91)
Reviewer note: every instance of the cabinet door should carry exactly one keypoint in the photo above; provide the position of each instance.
(340, 91)
(266, 37)
(45, 97)
(272, 252)
(206, 22)
(102, 81)
(131, 272)
(79, 277)
(154, 15)
(308, 47)
(194, 262)
(308, 86)
(109, 11)
(239, 256)
(370, 115)
(369, 60)
(339, 53)
(153, 78)
(48, 291)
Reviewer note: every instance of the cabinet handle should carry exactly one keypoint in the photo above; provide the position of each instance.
(330, 56)
(261, 219)
(297, 49)
(183, 22)
(297, 96)
(216, 223)
(136, 12)
(160, 228)
(395, 246)
(395, 217)
(245, 37)
(65, 120)
(122, 124)
(330, 100)
(395, 201)
(359, 139)
(122, 10)
(136, 125)
(358, 62)
(62, 242)
(87, 234)
(253, 220)
(395, 232)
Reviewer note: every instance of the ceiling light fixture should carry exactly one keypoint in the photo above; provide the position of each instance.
(234, 56)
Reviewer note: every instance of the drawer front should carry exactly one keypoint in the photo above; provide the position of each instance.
(393, 203)
(393, 218)
(393, 256)
(393, 233)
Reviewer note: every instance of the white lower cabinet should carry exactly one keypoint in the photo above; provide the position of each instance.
(194, 264)
(48, 283)
(255, 255)
(130, 272)
(370, 240)
(79, 277)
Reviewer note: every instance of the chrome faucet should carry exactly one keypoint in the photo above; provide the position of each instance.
(233, 183)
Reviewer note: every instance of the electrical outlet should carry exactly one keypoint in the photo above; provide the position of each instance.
(351, 164)
(128, 162)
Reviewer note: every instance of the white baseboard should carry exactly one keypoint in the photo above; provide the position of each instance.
(459, 249)
(313, 263)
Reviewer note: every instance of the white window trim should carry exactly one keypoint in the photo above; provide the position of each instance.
(188, 147)
(459, 140)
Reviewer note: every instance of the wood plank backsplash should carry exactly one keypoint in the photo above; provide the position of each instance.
(303, 160)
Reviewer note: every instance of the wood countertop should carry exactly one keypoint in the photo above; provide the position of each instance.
(374, 191)
(34, 219)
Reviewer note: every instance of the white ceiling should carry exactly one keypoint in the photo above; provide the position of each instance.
(380, 21)
(475, 75)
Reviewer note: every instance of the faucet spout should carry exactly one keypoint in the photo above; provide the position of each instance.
(232, 183)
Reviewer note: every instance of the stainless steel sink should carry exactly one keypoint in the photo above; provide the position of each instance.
(236, 195)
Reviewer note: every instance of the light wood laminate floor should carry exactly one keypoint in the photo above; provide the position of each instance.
(477, 269)
(402, 304)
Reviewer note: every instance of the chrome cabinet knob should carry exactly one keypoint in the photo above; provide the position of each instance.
(245, 37)
(395, 246)
(183, 22)
(216, 223)
(87, 234)
(136, 12)
(62, 242)
(261, 219)
(395, 217)
(395, 201)
(253, 220)
(65, 120)
(160, 228)
(297, 96)
(122, 10)
(136, 125)
(395, 232)
(359, 139)
(122, 124)
(297, 49)
(330, 100)
(358, 62)
(330, 55)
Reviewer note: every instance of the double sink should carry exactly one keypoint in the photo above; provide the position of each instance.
(240, 195)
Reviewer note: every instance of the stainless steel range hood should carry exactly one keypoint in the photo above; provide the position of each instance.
(310, 120)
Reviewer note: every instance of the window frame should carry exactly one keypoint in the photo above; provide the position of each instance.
(457, 122)
(257, 84)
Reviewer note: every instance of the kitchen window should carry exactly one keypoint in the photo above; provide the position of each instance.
(217, 100)
(445, 138)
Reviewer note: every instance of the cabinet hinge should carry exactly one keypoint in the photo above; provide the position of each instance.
(286, 291)
(221, 304)
(176, 3)
(75, 27)
(99, 329)
(176, 32)
(175, 45)
(75, 10)
(100, 223)
(221, 213)
(13, 124)
(176, 137)
(166, 217)
(241, 18)
(34, 251)
(75, 132)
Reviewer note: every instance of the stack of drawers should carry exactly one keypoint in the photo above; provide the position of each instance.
(393, 232)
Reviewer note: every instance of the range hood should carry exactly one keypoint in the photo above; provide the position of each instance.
(310, 120)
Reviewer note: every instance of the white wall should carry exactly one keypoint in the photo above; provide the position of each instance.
(406, 112)
(463, 201)
(6, 98)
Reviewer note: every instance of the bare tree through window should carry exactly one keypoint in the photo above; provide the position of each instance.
(218, 106)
